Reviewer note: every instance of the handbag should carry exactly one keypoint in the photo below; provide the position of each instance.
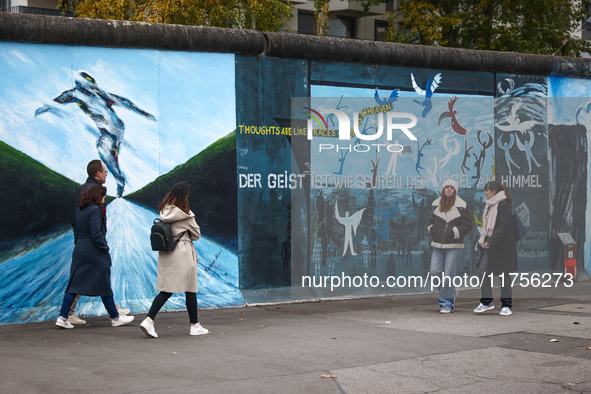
(518, 229)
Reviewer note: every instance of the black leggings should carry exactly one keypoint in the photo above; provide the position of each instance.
(162, 297)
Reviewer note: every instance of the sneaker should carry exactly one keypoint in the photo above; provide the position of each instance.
(198, 330)
(148, 328)
(123, 311)
(75, 319)
(121, 320)
(445, 310)
(63, 323)
(483, 308)
(505, 311)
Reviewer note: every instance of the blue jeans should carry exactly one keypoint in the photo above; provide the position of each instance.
(445, 264)
(69, 298)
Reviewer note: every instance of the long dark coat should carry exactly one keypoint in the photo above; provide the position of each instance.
(76, 200)
(502, 254)
(90, 273)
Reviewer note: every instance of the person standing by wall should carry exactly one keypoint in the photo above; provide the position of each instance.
(90, 273)
(498, 248)
(177, 269)
(448, 226)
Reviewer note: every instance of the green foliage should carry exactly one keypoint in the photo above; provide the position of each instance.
(263, 15)
(525, 26)
(321, 15)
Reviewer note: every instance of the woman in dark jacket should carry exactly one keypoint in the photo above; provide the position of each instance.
(498, 248)
(90, 273)
(448, 227)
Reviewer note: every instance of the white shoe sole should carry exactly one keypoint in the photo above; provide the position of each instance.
(148, 333)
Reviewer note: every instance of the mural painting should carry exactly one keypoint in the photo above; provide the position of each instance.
(288, 196)
(153, 120)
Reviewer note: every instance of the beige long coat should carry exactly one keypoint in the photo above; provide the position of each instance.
(177, 269)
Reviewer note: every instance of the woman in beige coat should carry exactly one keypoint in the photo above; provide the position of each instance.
(177, 269)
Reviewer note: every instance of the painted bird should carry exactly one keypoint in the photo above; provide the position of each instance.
(393, 97)
(455, 125)
(432, 84)
(514, 123)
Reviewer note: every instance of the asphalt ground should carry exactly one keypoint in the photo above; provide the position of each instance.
(393, 344)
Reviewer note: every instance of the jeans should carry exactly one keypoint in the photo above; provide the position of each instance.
(445, 264)
(69, 299)
(486, 289)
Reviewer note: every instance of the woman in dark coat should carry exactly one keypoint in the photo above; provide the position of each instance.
(90, 274)
(498, 248)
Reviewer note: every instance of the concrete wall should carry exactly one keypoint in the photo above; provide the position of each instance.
(223, 109)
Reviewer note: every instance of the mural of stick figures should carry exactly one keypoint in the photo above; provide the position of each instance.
(449, 151)
(393, 158)
(351, 223)
(374, 176)
(386, 213)
(365, 251)
(466, 156)
(479, 162)
(98, 105)
(430, 87)
(506, 146)
(342, 162)
(526, 147)
(420, 154)
(330, 117)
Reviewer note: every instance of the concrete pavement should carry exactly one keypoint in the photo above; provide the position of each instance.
(394, 344)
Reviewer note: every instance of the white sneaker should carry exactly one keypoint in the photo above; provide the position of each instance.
(75, 319)
(505, 311)
(445, 310)
(198, 330)
(148, 328)
(121, 320)
(483, 308)
(63, 323)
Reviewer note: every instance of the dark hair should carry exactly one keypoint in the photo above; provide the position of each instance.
(497, 187)
(177, 196)
(93, 196)
(445, 203)
(93, 167)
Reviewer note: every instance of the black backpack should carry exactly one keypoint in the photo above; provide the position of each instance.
(161, 236)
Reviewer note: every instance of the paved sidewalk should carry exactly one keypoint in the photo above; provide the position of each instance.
(395, 344)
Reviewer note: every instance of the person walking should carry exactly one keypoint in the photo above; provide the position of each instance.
(90, 273)
(97, 175)
(498, 248)
(177, 269)
(448, 226)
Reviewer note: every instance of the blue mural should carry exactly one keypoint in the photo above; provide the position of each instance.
(153, 120)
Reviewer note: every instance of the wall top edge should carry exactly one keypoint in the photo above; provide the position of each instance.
(110, 33)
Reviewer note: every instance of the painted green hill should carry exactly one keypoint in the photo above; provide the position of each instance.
(213, 198)
(34, 199)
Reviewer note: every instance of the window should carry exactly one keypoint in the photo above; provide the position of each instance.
(380, 29)
(306, 23)
(341, 26)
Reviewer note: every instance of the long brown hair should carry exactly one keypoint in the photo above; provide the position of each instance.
(445, 204)
(497, 187)
(177, 196)
(93, 196)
